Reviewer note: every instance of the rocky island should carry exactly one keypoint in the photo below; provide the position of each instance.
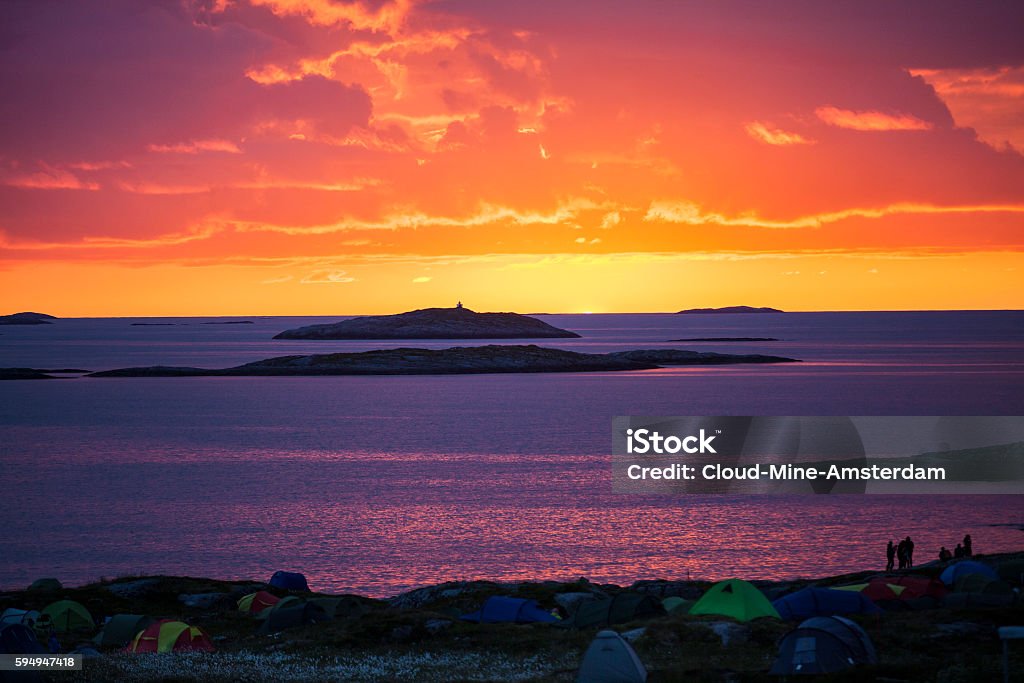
(458, 360)
(27, 318)
(728, 309)
(433, 323)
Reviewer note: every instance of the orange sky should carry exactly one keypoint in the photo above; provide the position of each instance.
(321, 157)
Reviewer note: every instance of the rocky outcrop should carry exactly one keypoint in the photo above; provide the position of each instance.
(27, 318)
(433, 323)
(724, 339)
(729, 309)
(456, 360)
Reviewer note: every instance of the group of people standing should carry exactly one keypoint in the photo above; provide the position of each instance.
(962, 550)
(904, 551)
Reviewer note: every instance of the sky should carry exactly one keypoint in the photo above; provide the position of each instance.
(319, 157)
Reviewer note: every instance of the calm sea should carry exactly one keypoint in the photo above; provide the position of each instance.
(380, 484)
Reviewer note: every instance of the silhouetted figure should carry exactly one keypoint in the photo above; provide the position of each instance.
(910, 553)
(458, 305)
(958, 552)
(945, 555)
(890, 556)
(901, 554)
(968, 550)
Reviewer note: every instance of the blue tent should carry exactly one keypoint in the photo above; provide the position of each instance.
(502, 609)
(823, 602)
(292, 581)
(965, 567)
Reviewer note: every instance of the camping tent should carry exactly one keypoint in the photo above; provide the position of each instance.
(676, 604)
(735, 598)
(289, 613)
(822, 602)
(980, 583)
(18, 639)
(502, 609)
(167, 635)
(254, 603)
(615, 610)
(45, 585)
(917, 586)
(292, 581)
(610, 659)
(19, 616)
(345, 607)
(68, 615)
(876, 591)
(121, 628)
(951, 573)
(823, 645)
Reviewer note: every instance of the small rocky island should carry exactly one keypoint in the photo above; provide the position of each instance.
(458, 360)
(433, 323)
(27, 318)
(728, 309)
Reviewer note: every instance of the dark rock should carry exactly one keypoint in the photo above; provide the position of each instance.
(724, 339)
(435, 626)
(204, 600)
(133, 589)
(679, 357)
(432, 323)
(23, 373)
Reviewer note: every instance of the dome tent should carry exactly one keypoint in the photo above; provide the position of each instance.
(292, 581)
(291, 612)
(503, 609)
(735, 598)
(619, 609)
(954, 571)
(610, 659)
(12, 615)
(121, 628)
(68, 615)
(45, 586)
(823, 602)
(18, 639)
(254, 603)
(168, 635)
(823, 645)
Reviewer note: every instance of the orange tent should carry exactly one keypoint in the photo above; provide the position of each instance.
(170, 636)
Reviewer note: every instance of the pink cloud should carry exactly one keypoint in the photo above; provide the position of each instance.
(870, 120)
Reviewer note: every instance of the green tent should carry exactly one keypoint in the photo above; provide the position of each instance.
(616, 610)
(677, 605)
(68, 615)
(121, 628)
(45, 585)
(291, 612)
(735, 598)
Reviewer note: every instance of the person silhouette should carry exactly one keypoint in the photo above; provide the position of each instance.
(945, 555)
(958, 552)
(890, 556)
(968, 550)
(910, 553)
(901, 554)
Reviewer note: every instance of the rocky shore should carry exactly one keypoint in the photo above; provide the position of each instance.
(419, 636)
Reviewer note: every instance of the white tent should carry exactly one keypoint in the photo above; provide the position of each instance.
(610, 659)
(19, 616)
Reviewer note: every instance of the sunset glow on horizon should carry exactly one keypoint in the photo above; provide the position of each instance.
(318, 157)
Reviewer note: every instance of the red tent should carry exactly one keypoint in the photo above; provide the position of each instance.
(170, 636)
(918, 587)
